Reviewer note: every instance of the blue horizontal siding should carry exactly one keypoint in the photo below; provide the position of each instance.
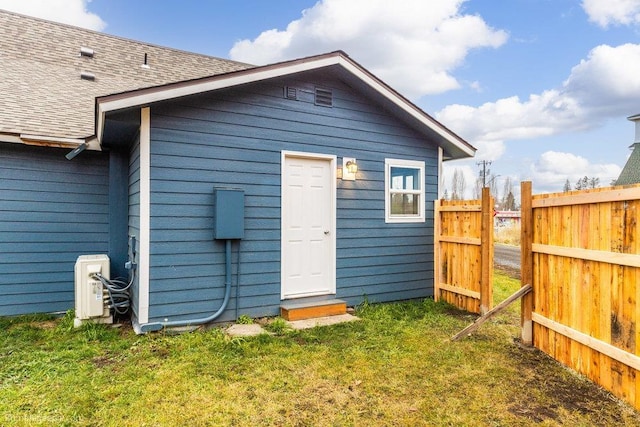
(133, 218)
(234, 138)
(51, 211)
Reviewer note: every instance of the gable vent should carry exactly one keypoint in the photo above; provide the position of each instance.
(290, 92)
(324, 97)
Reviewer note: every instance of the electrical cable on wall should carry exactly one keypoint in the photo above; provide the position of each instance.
(118, 290)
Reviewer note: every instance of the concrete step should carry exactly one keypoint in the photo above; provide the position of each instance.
(310, 310)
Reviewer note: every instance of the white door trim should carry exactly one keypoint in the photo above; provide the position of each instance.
(332, 231)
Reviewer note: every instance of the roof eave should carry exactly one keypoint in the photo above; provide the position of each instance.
(455, 146)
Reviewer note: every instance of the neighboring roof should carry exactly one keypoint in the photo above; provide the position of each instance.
(44, 100)
(631, 171)
(42, 93)
(338, 62)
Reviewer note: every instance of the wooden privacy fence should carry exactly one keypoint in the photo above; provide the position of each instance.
(581, 253)
(464, 253)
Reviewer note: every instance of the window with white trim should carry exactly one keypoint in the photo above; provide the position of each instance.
(404, 190)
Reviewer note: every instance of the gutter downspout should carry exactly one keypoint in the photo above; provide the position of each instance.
(149, 327)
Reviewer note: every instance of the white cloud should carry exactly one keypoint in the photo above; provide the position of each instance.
(417, 43)
(72, 12)
(606, 84)
(548, 173)
(608, 81)
(552, 169)
(489, 150)
(616, 12)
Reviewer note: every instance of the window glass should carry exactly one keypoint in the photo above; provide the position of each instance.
(405, 178)
(404, 204)
(404, 195)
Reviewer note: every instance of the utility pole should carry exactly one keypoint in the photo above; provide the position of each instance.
(484, 171)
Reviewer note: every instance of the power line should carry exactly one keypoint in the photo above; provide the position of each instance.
(484, 171)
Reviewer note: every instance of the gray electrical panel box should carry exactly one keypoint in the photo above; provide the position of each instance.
(228, 217)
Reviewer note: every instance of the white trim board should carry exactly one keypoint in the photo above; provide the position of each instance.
(143, 97)
(145, 213)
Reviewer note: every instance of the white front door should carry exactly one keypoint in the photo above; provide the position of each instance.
(308, 225)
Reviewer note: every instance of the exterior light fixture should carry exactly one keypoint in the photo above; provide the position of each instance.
(349, 169)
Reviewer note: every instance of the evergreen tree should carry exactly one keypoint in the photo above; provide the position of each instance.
(510, 202)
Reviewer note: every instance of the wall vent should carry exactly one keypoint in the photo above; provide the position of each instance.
(86, 51)
(85, 75)
(290, 92)
(324, 97)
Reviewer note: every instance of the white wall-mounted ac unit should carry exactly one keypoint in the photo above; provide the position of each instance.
(92, 298)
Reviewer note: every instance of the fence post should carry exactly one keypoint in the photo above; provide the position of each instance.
(526, 272)
(437, 268)
(486, 252)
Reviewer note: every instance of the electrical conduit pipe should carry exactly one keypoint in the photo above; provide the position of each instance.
(149, 327)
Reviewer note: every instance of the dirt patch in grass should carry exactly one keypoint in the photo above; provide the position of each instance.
(509, 271)
(107, 360)
(559, 394)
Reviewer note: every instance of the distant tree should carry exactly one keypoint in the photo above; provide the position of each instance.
(585, 182)
(491, 183)
(567, 186)
(507, 191)
(510, 203)
(582, 183)
(493, 186)
(458, 185)
(445, 196)
(477, 188)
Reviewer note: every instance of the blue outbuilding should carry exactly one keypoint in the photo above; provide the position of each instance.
(227, 189)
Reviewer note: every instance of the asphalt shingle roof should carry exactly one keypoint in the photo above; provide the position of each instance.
(42, 93)
(631, 171)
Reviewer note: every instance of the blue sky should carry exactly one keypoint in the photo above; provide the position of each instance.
(541, 87)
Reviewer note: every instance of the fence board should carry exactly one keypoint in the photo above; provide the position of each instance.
(585, 263)
(464, 253)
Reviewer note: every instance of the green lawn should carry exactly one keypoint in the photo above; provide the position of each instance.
(394, 367)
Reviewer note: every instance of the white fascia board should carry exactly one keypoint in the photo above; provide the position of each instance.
(54, 141)
(214, 84)
(51, 139)
(408, 108)
(146, 97)
(93, 144)
(14, 139)
(181, 90)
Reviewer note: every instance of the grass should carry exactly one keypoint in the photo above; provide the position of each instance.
(508, 235)
(394, 367)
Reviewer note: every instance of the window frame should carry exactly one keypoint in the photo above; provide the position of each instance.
(388, 191)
